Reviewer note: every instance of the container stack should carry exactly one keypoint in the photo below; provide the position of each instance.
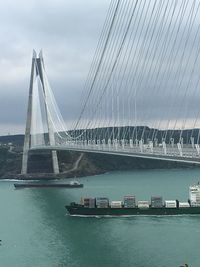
(156, 202)
(116, 204)
(170, 203)
(102, 202)
(92, 203)
(129, 202)
(143, 204)
(89, 202)
(184, 205)
(86, 202)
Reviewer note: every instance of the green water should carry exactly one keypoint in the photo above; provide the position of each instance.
(35, 230)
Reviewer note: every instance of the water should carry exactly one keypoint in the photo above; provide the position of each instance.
(36, 232)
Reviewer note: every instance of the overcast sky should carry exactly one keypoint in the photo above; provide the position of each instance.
(67, 31)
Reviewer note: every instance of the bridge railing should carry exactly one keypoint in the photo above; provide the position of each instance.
(128, 146)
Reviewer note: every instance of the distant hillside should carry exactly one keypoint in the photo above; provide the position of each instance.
(18, 140)
(125, 132)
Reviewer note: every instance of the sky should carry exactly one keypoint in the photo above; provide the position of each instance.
(67, 31)
(160, 59)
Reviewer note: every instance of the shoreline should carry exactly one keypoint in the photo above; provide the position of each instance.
(64, 176)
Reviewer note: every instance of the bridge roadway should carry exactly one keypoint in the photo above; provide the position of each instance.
(186, 154)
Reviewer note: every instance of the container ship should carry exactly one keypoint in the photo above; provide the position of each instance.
(101, 206)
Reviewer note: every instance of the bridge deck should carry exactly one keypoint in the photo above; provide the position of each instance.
(187, 155)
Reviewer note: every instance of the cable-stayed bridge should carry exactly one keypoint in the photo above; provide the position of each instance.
(141, 97)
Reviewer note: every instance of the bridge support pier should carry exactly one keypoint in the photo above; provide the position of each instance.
(24, 162)
(55, 162)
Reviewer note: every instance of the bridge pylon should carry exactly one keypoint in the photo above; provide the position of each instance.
(37, 69)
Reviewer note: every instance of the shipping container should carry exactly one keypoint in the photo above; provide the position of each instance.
(86, 202)
(102, 202)
(143, 204)
(92, 203)
(116, 204)
(156, 202)
(82, 201)
(129, 202)
(170, 203)
(129, 198)
(184, 205)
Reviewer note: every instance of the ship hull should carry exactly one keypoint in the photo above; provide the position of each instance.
(83, 211)
(46, 185)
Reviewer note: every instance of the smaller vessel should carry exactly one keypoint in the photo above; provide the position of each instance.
(74, 182)
(71, 184)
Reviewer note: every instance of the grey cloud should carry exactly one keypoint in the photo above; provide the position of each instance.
(67, 31)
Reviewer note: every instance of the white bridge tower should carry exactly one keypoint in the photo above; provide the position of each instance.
(37, 71)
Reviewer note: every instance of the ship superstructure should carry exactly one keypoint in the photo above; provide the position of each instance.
(194, 195)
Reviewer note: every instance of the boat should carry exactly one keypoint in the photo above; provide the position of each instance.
(71, 184)
(102, 207)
